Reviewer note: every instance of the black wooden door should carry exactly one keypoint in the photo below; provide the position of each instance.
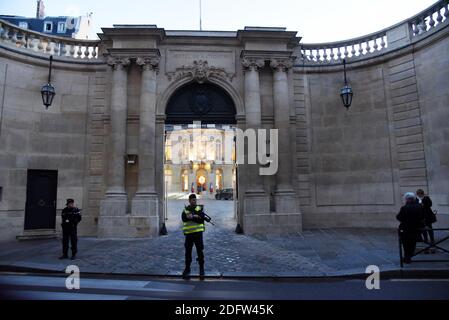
(40, 209)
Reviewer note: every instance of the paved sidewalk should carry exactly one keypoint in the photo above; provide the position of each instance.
(314, 253)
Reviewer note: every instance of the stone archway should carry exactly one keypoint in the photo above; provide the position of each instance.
(205, 102)
(208, 102)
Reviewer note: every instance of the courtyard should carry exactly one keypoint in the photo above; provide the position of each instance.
(312, 253)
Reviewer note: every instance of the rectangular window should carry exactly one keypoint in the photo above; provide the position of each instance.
(61, 27)
(48, 26)
(23, 25)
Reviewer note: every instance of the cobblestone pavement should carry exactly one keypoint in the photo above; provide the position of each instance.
(318, 252)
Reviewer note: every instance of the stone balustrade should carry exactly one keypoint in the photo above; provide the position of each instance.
(328, 53)
(430, 18)
(14, 36)
(360, 48)
(376, 43)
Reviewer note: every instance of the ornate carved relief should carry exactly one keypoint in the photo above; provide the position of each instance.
(200, 71)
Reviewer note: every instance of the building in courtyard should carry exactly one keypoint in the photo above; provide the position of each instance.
(195, 159)
(103, 139)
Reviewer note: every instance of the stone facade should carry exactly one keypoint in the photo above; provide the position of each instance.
(337, 168)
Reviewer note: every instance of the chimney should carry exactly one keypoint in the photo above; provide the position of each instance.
(40, 12)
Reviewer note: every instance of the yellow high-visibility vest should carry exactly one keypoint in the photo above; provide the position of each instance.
(192, 226)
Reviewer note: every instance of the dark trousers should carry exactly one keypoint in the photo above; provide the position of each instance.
(197, 240)
(409, 242)
(428, 231)
(69, 233)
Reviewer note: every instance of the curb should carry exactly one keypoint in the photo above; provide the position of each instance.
(399, 273)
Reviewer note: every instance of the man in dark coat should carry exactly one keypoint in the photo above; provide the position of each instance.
(193, 228)
(70, 216)
(411, 217)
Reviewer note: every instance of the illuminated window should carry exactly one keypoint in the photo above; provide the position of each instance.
(168, 151)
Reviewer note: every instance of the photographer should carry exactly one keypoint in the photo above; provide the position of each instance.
(71, 216)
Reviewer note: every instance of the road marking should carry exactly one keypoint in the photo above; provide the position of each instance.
(419, 280)
(89, 283)
(49, 295)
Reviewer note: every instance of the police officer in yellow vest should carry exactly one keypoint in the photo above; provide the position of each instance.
(193, 228)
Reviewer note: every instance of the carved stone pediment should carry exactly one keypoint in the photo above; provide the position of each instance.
(199, 71)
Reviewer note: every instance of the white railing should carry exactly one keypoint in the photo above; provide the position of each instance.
(376, 43)
(335, 52)
(430, 18)
(14, 36)
(320, 53)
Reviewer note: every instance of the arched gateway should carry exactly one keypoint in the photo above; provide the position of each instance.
(200, 120)
(179, 85)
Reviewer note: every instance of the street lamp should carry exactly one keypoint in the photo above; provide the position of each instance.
(346, 92)
(48, 91)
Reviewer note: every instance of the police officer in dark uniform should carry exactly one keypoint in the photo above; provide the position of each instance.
(70, 216)
(193, 228)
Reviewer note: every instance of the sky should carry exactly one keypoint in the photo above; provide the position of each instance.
(316, 21)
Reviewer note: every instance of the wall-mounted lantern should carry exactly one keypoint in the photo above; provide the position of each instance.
(131, 158)
(346, 92)
(48, 91)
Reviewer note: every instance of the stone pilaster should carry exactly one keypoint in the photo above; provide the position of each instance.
(286, 200)
(112, 221)
(256, 201)
(119, 109)
(253, 114)
(145, 201)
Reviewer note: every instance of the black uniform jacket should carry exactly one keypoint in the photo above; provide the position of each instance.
(191, 209)
(70, 216)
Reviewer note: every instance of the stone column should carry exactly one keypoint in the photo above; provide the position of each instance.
(113, 208)
(253, 113)
(211, 177)
(256, 201)
(286, 202)
(145, 202)
(119, 110)
(282, 123)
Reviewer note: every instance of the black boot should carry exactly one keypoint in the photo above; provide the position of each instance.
(186, 273)
(202, 271)
(64, 256)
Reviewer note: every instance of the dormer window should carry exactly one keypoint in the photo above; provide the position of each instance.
(48, 26)
(61, 27)
(23, 25)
